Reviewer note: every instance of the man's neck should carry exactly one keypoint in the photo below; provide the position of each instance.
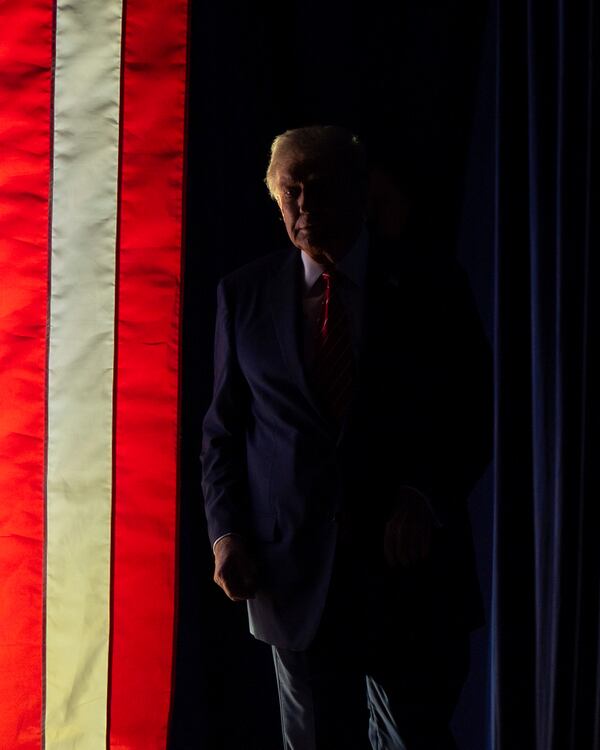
(353, 263)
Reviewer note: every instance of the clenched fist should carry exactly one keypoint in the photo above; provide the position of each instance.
(235, 569)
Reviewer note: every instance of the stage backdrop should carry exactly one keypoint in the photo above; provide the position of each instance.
(92, 121)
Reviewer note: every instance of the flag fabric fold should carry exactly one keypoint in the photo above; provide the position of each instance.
(92, 135)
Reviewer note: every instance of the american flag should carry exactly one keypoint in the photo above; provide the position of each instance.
(92, 137)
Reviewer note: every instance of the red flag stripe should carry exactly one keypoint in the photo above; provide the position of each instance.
(147, 371)
(26, 49)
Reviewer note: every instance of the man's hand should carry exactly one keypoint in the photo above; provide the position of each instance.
(235, 570)
(407, 537)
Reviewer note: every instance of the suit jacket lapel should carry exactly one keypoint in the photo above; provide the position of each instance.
(286, 309)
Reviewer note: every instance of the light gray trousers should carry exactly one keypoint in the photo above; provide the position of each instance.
(298, 712)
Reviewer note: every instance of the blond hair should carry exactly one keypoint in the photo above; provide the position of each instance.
(329, 141)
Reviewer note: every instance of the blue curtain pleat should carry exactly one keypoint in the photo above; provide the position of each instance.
(546, 584)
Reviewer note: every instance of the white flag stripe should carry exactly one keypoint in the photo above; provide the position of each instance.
(80, 377)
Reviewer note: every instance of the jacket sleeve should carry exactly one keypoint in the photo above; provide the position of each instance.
(224, 474)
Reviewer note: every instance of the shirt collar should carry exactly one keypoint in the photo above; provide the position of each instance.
(353, 264)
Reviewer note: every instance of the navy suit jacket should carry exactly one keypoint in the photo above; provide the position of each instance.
(276, 471)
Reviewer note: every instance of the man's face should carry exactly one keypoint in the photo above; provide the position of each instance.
(321, 206)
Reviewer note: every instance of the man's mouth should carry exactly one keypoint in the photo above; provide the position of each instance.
(307, 227)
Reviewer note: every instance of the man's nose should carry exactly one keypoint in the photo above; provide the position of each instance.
(306, 201)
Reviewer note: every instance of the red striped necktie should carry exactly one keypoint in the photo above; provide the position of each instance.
(334, 367)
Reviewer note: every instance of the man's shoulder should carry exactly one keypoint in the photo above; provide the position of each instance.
(259, 270)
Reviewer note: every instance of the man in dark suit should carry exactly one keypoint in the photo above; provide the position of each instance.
(349, 422)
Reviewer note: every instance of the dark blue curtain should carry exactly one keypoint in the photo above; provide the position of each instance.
(546, 587)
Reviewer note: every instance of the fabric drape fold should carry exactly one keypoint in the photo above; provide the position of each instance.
(546, 627)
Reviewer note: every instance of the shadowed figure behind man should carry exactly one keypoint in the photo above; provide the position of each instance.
(350, 420)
